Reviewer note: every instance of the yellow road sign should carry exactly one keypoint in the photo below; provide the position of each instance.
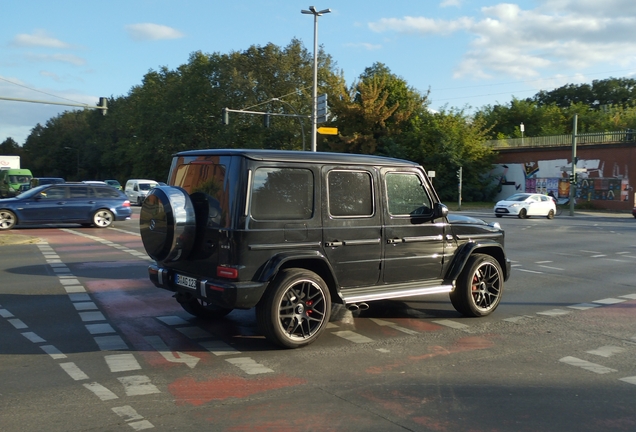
(327, 130)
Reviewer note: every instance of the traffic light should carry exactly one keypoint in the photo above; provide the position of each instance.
(266, 120)
(103, 104)
(225, 117)
(574, 178)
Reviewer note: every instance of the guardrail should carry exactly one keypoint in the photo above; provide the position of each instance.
(565, 140)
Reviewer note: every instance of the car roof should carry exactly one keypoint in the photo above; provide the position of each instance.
(301, 156)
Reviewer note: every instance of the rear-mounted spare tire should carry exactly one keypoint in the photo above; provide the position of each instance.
(167, 223)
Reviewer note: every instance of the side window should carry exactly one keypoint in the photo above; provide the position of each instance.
(135, 188)
(53, 193)
(350, 193)
(102, 192)
(406, 194)
(79, 192)
(282, 194)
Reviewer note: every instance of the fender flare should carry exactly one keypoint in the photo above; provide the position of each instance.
(310, 259)
(466, 250)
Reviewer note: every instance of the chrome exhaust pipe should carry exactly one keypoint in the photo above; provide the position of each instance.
(363, 306)
(353, 307)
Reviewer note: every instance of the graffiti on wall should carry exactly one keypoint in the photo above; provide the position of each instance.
(551, 177)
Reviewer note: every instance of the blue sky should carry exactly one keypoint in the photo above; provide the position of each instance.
(470, 53)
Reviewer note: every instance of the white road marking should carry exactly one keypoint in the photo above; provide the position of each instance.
(606, 351)
(551, 268)
(352, 337)
(110, 343)
(584, 306)
(138, 385)
(92, 316)
(517, 318)
(17, 323)
(73, 371)
(77, 297)
(99, 328)
(55, 353)
(452, 324)
(393, 326)
(592, 252)
(75, 289)
(249, 366)
(530, 271)
(141, 425)
(630, 380)
(383, 350)
(84, 306)
(128, 413)
(69, 281)
(609, 301)
(598, 256)
(629, 296)
(161, 347)
(172, 320)
(592, 367)
(219, 348)
(100, 391)
(122, 362)
(5, 313)
(33, 337)
(554, 312)
(542, 262)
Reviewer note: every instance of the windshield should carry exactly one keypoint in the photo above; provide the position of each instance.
(31, 192)
(518, 197)
(146, 186)
(19, 179)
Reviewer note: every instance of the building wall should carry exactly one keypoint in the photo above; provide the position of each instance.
(606, 183)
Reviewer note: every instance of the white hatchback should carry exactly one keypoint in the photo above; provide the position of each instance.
(524, 205)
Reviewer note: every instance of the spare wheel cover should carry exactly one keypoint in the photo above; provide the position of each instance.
(167, 223)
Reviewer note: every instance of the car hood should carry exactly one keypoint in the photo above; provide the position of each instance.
(462, 219)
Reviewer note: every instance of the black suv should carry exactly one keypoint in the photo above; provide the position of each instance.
(291, 232)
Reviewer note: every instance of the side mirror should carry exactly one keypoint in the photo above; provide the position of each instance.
(439, 210)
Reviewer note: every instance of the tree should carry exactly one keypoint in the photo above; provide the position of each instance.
(10, 147)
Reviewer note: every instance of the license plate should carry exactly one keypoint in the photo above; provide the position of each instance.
(500, 210)
(185, 281)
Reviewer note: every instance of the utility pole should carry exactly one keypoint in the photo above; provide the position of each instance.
(573, 177)
(459, 187)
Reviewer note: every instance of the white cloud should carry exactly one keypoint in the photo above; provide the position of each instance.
(449, 3)
(364, 45)
(38, 39)
(556, 35)
(59, 58)
(149, 31)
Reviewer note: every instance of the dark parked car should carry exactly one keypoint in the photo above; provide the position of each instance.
(78, 203)
(290, 233)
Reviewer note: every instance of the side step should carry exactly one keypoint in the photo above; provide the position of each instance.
(359, 295)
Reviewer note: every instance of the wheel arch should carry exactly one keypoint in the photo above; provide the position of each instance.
(493, 249)
(309, 260)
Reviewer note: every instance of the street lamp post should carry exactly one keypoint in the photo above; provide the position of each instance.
(312, 11)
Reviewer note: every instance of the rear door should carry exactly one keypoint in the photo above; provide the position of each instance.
(414, 242)
(352, 227)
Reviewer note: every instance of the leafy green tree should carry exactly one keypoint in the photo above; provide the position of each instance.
(10, 147)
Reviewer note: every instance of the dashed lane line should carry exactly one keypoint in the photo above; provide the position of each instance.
(589, 366)
(606, 351)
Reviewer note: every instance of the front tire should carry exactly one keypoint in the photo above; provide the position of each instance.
(295, 309)
(8, 220)
(103, 218)
(523, 214)
(479, 286)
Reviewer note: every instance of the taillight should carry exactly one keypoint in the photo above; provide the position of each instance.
(227, 272)
(126, 203)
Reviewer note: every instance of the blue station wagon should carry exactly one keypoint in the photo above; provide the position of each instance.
(88, 205)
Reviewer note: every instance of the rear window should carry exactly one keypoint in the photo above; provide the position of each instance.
(282, 194)
(107, 193)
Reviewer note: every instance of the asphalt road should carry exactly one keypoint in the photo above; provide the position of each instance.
(88, 344)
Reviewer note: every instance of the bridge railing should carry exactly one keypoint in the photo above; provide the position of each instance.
(564, 140)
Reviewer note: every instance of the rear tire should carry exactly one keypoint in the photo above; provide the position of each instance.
(295, 309)
(479, 286)
(550, 214)
(103, 218)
